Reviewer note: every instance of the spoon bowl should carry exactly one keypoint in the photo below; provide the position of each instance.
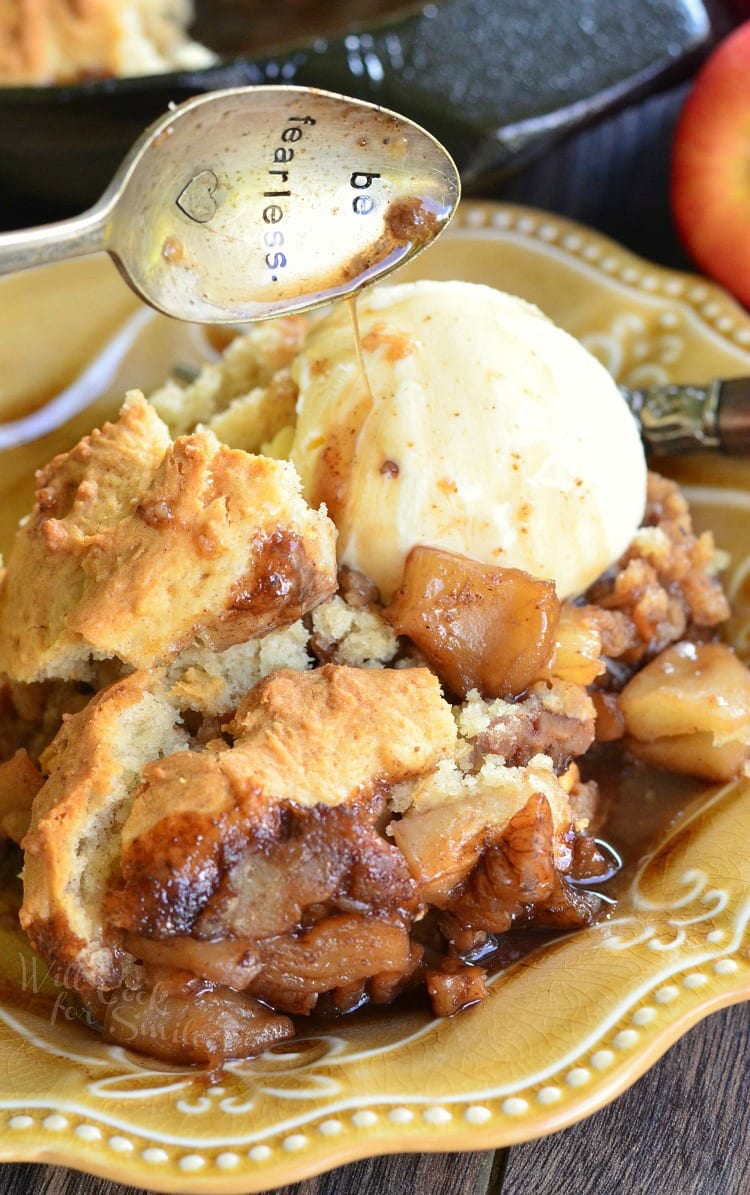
(252, 202)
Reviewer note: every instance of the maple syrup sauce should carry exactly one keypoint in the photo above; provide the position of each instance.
(351, 304)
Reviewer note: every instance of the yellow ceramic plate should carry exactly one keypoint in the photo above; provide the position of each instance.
(564, 1031)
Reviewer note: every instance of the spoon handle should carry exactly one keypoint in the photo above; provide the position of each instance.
(675, 420)
(53, 242)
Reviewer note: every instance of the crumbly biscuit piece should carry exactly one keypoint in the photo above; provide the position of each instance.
(78, 493)
(320, 737)
(138, 546)
(125, 797)
(554, 718)
(344, 633)
(61, 41)
(73, 845)
(213, 683)
(247, 396)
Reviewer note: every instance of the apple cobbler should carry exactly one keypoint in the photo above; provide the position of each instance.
(249, 784)
(67, 41)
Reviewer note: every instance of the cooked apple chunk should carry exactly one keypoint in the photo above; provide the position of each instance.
(484, 628)
(454, 817)
(20, 781)
(186, 1020)
(577, 651)
(689, 711)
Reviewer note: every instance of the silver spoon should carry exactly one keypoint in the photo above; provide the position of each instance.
(246, 203)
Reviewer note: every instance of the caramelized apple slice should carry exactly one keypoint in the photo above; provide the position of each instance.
(689, 711)
(577, 647)
(20, 781)
(442, 842)
(455, 986)
(484, 628)
(196, 1022)
(693, 755)
(337, 951)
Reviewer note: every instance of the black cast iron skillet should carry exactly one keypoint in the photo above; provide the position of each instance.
(495, 80)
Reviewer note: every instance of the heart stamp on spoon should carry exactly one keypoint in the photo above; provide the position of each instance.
(197, 198)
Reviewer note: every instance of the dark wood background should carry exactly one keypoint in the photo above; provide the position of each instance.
(684, 1128)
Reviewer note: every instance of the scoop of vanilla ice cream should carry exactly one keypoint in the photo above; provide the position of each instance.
(482, 429)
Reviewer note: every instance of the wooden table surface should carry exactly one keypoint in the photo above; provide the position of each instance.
(684, 1128)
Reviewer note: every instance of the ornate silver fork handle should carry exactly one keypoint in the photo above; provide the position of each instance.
(674, 420)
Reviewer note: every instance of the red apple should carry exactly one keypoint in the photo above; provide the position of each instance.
(711, 166)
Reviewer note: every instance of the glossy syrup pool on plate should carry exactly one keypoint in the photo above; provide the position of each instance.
(566, 1028)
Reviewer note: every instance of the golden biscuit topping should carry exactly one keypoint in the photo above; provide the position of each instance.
(138, 546)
